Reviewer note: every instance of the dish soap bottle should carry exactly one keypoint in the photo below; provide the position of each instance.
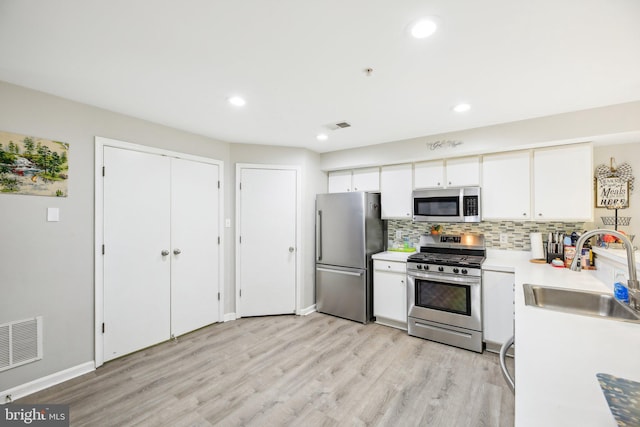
(620, 291)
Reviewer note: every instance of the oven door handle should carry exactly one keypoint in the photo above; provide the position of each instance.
(465, 280)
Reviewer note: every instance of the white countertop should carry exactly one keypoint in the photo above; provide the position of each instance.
(392, 256)
(558, 355)
(619, 255)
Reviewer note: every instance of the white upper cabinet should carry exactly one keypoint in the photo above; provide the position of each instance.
(365, 179)
(395, 189)
(339, 181)
(506, 186)
(563, 183)
(429, 174)
(462, 172)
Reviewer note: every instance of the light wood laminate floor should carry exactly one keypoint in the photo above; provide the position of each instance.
(314, 370)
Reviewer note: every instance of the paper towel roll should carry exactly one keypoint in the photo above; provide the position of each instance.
(537, 249)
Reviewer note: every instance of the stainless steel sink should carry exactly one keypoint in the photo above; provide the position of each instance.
(586, 303)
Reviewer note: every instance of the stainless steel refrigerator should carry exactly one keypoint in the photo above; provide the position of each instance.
(348, 231)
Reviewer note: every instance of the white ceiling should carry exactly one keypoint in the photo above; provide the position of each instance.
(301, 64)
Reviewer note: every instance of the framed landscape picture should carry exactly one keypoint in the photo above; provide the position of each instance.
(33, 166)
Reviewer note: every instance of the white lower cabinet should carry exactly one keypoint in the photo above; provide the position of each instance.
(497, 307)
(390, 293)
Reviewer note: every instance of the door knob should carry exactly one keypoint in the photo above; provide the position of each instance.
(164, 252)
(177, 251)
(291, 249)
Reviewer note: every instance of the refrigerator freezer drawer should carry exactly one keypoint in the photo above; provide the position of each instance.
(343, 292)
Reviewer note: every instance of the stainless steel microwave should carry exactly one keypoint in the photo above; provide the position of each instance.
(447, 205)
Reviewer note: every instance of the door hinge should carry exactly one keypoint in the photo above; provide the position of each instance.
(102, 249)
(218, 184)
(218, 296)
(240, 239)
(103, 169)
(103, 327)
(240, 293)
(218, 239)
(241, 186)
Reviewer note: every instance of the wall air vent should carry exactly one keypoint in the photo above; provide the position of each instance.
(20, 342)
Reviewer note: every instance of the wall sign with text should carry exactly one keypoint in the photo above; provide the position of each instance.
(612, 193)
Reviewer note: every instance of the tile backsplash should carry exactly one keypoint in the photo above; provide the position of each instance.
(517, 232)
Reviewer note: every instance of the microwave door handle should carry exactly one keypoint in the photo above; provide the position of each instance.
(461, 211)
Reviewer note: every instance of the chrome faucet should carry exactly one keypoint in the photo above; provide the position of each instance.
(632, 283)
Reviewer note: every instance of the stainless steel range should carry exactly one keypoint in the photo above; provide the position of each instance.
(444, 290)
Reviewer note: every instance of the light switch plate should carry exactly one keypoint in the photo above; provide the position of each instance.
(504, 238)
(398, 234)
(53, 214)
(227, 223)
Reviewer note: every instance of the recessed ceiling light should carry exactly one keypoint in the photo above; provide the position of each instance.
(423, 28)
(237, 101)
(322, 137)
(461, 108)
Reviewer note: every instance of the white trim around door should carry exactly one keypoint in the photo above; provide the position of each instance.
(100, 143)
(298, 215)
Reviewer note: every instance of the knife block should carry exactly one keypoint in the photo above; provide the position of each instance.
(552, 255)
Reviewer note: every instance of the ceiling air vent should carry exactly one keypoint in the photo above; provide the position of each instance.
(339, 125)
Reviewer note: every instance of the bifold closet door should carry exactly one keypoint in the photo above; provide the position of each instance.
(194, 245)
(137, 257)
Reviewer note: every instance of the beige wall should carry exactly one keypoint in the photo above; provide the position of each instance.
(623, 153)
(610, 123)
(47, 268)
(313, 182)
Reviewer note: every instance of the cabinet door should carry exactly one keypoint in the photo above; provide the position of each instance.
(390, 291)
(497, 306)
(563, 183)
(506, 192)
(429, 174)
(339, 181)
(395, 189)
(366, 179)
(463, 172)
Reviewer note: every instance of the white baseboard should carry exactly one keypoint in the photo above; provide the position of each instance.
(229, 316)
(306, 311)
(390, 322)
(45, 382)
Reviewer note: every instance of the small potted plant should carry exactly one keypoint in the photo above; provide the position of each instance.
(436, 229)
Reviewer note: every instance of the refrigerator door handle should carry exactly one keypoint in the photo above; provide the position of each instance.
(348, 273)
(319, 236)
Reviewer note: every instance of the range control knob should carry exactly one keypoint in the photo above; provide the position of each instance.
(440, 268)
(464, 271)
(419, 266)
(426, 267)
(455, 270)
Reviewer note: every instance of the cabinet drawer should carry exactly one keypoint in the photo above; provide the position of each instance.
(396, 267)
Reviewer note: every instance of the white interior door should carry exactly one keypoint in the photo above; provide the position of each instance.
(267, 249)
(194, 245)
(136, 274)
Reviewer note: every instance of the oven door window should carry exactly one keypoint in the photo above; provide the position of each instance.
(437, 206)
(453, 298)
